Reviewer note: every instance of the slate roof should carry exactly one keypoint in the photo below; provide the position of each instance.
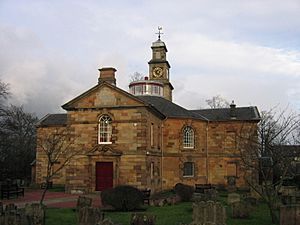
(223, 114)
(53, 120)
(168, 108)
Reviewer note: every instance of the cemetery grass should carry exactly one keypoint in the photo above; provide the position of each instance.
(168, 215)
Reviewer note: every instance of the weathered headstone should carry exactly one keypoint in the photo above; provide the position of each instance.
(233, 197)
(211, 194)
(290, 215)
(83, 202)
(220, 212)
(208, 213)
(35, 214)
(142, 219)
(231, 184)
(89, 216)
(241, 210)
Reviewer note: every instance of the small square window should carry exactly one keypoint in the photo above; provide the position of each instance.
(188, 169)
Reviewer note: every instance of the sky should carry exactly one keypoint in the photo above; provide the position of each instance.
(246, 51)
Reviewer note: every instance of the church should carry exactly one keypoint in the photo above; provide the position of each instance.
(142, 138)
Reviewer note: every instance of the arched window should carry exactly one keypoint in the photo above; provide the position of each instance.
(188, 137)
(105, 129)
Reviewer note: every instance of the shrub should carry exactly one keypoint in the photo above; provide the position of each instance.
(106, 196)
(185, 192)
(122, 198)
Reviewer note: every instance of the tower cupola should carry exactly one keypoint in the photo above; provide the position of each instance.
(159, 66)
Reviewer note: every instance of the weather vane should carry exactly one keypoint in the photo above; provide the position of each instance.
(159, 32)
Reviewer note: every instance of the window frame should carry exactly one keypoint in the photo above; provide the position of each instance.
(106, 131)
(192, 174)
(188, 138)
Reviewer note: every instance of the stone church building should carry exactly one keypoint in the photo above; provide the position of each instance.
(142, 138)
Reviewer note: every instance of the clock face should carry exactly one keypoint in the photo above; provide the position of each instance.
(157, 72)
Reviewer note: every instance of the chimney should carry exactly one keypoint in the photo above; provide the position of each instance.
(107, 74)
(232, 110)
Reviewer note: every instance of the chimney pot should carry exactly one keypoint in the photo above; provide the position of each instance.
(233, 110)
(107, 74)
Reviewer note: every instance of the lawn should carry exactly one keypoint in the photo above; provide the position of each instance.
(168, 215)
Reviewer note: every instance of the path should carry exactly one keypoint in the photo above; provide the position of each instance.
(52, 199)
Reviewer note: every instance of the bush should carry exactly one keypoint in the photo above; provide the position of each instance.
(122, 198)
(106, 196)
(185, 192)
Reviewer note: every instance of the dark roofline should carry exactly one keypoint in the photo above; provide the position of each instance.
(54, 123)
(257, 117)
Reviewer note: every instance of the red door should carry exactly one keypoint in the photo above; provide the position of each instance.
(104, 175)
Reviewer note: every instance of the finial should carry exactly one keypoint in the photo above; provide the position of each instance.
(159, 32)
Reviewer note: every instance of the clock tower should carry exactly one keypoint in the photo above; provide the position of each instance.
(159, 66)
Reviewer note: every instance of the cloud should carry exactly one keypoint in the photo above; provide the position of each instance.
(246, 51)
(245, 72)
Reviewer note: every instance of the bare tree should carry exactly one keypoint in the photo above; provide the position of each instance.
(4, 90)
(136, 76)
(263, 152)
(17, 143)
(4, 94)
(57, 147)
(217, 102)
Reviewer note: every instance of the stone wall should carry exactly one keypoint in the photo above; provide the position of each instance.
(140, 139)
(215, 155)
(42, 160)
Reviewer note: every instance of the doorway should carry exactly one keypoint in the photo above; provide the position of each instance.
(104, 175)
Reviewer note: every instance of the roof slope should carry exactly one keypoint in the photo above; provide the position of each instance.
(53, 120)
(223, 114)
(168, 108)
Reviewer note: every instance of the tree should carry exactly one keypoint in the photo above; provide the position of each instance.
(4, 90)
(57, 147)
(4, 93)
(263, 152)
(217, 102)
(136, 76)
(17, 143)
(17, 138)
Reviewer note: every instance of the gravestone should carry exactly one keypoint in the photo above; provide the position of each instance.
(142, 219)
(241, 210)
(83, 202)
(290, 215)
(233, 197)
(33, 214)
(208, 213)
(231, 184)
(89, 216)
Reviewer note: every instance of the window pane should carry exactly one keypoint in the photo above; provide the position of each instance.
(188, 137)
(105, 129)
(188, 169)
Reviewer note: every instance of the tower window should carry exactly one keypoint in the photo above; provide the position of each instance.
(188, 137)
(151, 135)
(105, 130)
(188, 169)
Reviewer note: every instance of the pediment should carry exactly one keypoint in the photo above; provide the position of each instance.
(104, 150)
(103, 95)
